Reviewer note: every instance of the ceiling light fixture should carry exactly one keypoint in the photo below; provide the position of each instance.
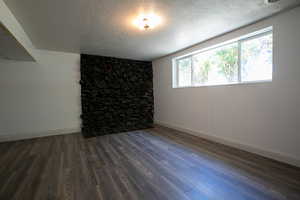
(271, 1)
(147, 21)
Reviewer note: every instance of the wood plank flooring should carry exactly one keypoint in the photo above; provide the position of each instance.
(154, 164)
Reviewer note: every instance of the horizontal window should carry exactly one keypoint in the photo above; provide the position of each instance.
(248, 59)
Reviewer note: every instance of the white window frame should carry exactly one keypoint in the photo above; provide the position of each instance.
(239, 41)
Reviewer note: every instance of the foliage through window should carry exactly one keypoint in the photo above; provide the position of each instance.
(245, 60)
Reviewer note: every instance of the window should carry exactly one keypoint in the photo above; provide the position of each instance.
(256, 58)
(184, 72)
(248, 59)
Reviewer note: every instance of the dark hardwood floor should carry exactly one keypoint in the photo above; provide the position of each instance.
(156, 164)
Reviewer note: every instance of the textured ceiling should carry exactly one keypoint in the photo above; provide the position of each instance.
(10, 48)
(104, 27)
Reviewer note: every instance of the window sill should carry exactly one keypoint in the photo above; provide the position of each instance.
(226, 84)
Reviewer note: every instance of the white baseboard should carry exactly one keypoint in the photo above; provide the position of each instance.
(272, 155)
(23, 136)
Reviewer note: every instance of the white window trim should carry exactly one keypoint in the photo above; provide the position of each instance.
(239, 40)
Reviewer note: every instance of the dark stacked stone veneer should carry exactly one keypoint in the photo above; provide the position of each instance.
(116, 95)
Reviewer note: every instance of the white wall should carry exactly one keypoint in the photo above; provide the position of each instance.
(40, 98)
(12, 25)
(263, 118)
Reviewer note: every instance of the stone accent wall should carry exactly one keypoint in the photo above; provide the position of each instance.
(116, 95)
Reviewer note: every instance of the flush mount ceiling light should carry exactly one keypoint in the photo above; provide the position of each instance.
(147, 21)
(271, 1)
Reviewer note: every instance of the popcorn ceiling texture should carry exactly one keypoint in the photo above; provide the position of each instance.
(116, 95)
